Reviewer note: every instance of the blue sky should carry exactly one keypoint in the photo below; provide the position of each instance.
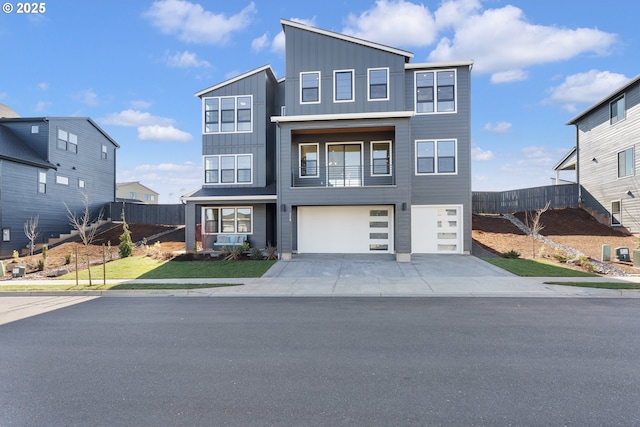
(134, 67)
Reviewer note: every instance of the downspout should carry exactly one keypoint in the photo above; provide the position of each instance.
(578, 165)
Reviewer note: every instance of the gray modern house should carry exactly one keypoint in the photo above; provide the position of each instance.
(604, 156)
(355, 150)
(45, 164)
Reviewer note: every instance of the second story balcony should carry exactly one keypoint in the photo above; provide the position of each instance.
(311, 175)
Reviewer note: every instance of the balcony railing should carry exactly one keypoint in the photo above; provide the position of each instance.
(342, 176)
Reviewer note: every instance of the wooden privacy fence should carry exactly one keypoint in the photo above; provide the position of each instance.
(137, 213)
(526, 199)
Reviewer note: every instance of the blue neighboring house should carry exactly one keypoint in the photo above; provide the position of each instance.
(45, 164)
(355, 150)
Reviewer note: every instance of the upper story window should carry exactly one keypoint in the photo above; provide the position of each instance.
(103, 153)
(436, 157)
(228, 114)
(35, 129)
(62, 180)
(435, 91)
(625, 163)
(133, 195)
(381, 158)
(309, 160)
(228, 169)
(149, 197)
(616, 110)
(67, 141)
(310, 87)
(42, 182)
(343, 86)
(378, 84)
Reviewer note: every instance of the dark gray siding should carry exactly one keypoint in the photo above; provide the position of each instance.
(444, 189)
(306, 51)
(36, 141)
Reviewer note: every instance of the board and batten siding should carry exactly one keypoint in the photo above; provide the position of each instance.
(599, 143)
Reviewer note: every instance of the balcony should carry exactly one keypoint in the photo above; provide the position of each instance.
(342, 176)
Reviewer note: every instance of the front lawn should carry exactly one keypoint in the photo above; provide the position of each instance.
(536, 268)
(142, 267)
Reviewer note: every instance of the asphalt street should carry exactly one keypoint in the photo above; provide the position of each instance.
(324, 361)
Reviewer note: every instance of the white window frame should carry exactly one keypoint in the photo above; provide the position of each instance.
(618, 222)
(69, 139)
(359, 182)
(235, 225)
(6, 234)
(235, 114)
(369, 84)
(35, 129)
(372, 167)
(319, 87)
(620, 104)
(235, 169)
(353, 86)
(42, 182)
(81, 183)
(62, 180)
(633, 161)
(435, 158)
(104, 153)
(307, 144)
(435, 91)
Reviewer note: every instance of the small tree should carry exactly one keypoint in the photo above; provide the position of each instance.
(82, 223)
(533, 222)
(125, 248)
(32, 233)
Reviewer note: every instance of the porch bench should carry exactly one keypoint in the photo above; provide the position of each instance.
(230, 240)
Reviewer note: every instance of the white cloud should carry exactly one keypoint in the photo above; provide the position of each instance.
(260, 43)
(167, 167)
(135, 118)
(503, 41)
(509, 76)
(171, 180)
(584, 88)
(140, 104)
(500, 127)
(480, 155)
(43, 86)
(193, 24)
(278, 43)
(185, 59)
(394, 22)
(87, 97)
(162, 133)
(42, 105)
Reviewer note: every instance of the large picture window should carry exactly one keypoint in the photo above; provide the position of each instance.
(310, 87)
(228, 169)
(228, 220)
(436, 157)
(435, 91)
(228, 114)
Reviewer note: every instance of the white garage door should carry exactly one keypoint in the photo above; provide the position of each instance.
(345, 229)
(436, 229)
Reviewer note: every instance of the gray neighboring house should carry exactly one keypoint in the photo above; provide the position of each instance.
(45, 163)
(355, 150)
(604, 157)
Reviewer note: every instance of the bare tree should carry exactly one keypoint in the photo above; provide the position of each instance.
(32, 233)
(82, 223)
(532, 221)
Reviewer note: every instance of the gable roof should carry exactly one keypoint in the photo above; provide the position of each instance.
(406, 54)
(238, 78)
(14, 149)
(604, 100)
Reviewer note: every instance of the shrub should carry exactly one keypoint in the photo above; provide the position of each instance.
(40, 264)
(256, 254)
(125, 248)
(561, 257)
(245, 247)
(234, 254)
(45, 248)
(67, 257)
(271, 252)
(15, 255)
(511, 254)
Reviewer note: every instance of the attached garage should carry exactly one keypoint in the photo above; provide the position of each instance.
(436, 229)
(345, 229)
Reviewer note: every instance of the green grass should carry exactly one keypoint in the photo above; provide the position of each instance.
(141, 267)
(536, 268)
(97, 286)
(602, 285)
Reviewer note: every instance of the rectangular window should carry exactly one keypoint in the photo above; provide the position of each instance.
(62, 180)
(73, 143)
(133, 195)
(67, 141)
(381, 158)
(309, 160)
(435, 91)
(616, 217)
(104, 152)
(378, 84)
(35, 129)
(617, 110)
(228, 169)
(625, 163)
(436, 157)
(310, 87)
(42, 182)
(149, 197)
(81, 183)
(6, 235)
(228, 220)
(343, 86)
(228, 114)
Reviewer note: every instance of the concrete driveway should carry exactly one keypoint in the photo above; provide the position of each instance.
(384, 265)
